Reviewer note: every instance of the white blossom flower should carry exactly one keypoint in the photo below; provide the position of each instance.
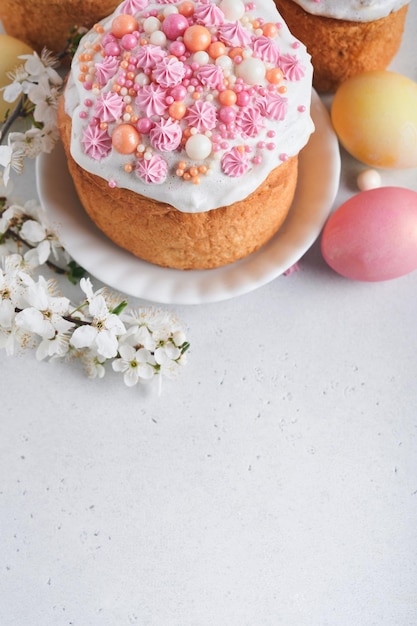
(45, 98)
(11, 288)
(168, 357)
(34, 141)
(56, 346)
(11, 158)
(20, 84)
(44, 315)
(93, 363)
(105, 327)
(136, 365)
(38, 67)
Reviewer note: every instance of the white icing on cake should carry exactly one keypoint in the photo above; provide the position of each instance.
(211, 153)
(352, 10)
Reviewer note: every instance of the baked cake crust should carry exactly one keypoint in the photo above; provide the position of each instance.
(47, 23)
(341, 48)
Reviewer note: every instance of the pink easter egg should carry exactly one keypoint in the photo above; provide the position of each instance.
(373, 236)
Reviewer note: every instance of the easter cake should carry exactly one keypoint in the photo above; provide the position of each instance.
(182, 125)
(48, 23)
(346, 37)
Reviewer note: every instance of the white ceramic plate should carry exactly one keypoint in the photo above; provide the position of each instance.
(319, 171)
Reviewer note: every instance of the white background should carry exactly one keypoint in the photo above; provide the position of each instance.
(274, 484)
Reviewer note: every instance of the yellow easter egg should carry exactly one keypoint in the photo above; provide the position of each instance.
(375, 118)
(11, 49)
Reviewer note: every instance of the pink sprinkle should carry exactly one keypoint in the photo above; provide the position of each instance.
(270, 134)
(88, 102)
(283, 156)
(144, 125)
(227, 114)
(296, 44)
(88, 85)
(242, 98)
(112, 183)
(112, 49)
(295, 267)
(129, 41)
(270, 146)
(177, 48)
(83, 115)
(257, 160)
(301, 108)
(260, 145)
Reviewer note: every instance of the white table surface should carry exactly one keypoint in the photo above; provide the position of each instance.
(273, 484)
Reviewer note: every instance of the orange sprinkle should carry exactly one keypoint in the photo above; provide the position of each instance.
(235, 52)
(255, 24)
(182, 165)
(282, 89)
(269, 29)
(187, 176)
(227, 97)
(274, 75)
(194, 171)
(195, 180)
(177, 110)
(216, 49)
(179, 172)
(81, 78)
(128, 168)
(186, 8)
(196, 95)
(203, 169)
(241, 149)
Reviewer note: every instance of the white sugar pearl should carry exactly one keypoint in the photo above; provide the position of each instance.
(151, 24)
(170, 9)
(252, 71)
(198, 147)
(232, 9)
(158, 38)
(368, 179)
(201, 57)
(142, 79)
(224, 61)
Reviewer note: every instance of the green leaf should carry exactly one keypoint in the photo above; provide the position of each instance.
(74, 272)
(119, 308)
